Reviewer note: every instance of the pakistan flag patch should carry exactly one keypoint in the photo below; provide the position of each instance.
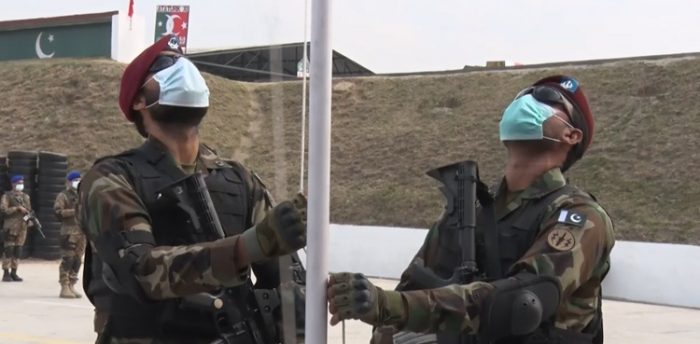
(571, 218)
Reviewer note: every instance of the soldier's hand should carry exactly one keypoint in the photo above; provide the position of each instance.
(23, 210)
(353, 296)
(282, 231)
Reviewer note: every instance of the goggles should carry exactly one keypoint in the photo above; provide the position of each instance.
(551, 95)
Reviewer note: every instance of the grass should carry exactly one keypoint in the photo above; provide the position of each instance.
(387, 131)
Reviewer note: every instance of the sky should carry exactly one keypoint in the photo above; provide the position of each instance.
(421, 35)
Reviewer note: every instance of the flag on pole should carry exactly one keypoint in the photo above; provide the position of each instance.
(131, 12)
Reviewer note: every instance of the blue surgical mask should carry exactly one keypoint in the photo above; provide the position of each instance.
(523, 120)
(182, 85)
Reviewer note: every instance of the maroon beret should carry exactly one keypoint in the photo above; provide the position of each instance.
(572, 90)
(135, 74)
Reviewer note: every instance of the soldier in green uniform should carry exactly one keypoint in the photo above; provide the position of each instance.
(72, 238)
(15, 205)
(553, 244)
(145, 261)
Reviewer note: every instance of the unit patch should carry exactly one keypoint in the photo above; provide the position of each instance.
(561, 239)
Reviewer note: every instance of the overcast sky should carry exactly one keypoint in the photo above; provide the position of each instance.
(418, 35)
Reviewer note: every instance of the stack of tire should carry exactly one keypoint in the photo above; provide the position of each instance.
(4, 186)
(25, 164)
(51, 181)
(4, 178)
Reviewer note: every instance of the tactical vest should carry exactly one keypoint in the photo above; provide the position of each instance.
(229, 187)
(516, 234)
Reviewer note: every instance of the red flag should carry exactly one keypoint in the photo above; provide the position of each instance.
(131, 8)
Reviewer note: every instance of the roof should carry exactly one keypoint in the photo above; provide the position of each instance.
(256, 63)
(78, 19)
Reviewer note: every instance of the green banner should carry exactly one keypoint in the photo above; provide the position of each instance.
(85, 40)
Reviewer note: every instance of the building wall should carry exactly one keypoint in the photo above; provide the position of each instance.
(85, 40)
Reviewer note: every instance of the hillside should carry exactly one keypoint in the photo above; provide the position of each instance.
(387, 131)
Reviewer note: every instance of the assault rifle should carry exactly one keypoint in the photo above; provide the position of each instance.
(240, 315)
(31, 219)
(460, 190)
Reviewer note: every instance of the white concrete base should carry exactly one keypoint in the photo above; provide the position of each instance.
(642, 272)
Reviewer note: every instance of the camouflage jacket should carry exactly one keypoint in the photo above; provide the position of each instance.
(577, 256)
(65, 208)
(109, 202)
(9, 206)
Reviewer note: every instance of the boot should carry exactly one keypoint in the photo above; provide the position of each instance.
(72, 289)
(66, 292)
(6, 276)
(14, 276)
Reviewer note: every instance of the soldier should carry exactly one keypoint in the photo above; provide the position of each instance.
(145, 260)
(15, 205)
(72, 239)
(545, 254)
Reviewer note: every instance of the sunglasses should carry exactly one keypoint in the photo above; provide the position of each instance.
(163, 62)
(551, 95)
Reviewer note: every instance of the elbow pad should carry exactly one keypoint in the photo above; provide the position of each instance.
(120, 253)
(518, 305)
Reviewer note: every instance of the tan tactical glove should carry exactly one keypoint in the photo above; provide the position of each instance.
(282, 231)
(353, 296)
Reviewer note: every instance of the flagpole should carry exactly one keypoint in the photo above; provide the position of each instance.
(319, 172)
(305, 67)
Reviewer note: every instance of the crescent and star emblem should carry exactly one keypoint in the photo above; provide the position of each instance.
(37, 47)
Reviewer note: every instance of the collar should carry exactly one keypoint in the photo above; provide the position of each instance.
(549, 181)
(155, 151)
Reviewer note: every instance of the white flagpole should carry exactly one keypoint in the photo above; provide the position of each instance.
(319, 172)
(303, 101)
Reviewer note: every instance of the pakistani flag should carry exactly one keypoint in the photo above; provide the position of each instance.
(173, 20)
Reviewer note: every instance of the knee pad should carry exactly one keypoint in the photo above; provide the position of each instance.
(518, 305)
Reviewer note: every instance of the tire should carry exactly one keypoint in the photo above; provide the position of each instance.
(52, 181)
(53, 165)
(22, 155)
(48, 253)
(52, 188)
(52, 172)
(51, 156)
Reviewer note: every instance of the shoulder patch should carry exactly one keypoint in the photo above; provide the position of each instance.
(561, 239)
(571, 218)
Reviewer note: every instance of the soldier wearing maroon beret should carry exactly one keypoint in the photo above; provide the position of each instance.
(542, 246)
(154, 271)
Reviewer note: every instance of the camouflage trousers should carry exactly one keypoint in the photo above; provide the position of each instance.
(13, 241)
(72, 251)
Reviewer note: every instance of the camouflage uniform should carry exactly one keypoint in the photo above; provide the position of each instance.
(577, 256)
(110, 203)
(14, 226)
(72, 238)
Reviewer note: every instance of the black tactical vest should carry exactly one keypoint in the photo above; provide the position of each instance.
(516, 234)
(150, 170)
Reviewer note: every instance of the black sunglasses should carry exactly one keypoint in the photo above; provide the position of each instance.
(551, 95)
(163, 62)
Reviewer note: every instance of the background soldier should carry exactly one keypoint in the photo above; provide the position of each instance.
(72, 239)
(152, 269)
(15, 205)
(548, 236)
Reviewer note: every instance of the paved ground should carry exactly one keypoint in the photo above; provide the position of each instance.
(31, 313)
